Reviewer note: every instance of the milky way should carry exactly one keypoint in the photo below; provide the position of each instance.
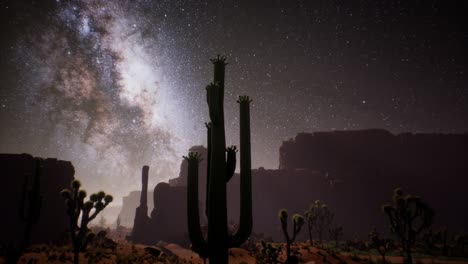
(115, 85)
(97, 95)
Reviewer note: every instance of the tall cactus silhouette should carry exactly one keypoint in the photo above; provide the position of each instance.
(219, 172)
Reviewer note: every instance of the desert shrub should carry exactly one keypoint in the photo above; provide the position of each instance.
(267, 253)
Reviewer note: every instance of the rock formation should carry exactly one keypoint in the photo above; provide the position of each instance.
(140, 226)
(129, 203)
(53, 221)
(354, 172)
(169, 217)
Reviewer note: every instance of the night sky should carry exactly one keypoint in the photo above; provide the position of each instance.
(114, 85)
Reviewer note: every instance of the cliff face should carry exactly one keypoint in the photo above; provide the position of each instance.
(366, 165)
(168, 220)
(53, 220)
(354, 172)
(343, 151)
(129, 203)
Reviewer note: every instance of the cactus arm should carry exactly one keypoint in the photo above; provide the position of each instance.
(208, 158)
(199, 244)
(245, 217)
(230, 162)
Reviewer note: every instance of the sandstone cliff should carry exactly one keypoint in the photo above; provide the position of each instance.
(352, 171)
(53, 220)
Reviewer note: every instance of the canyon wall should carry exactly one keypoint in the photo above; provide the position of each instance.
(354, 172)
(53, 220)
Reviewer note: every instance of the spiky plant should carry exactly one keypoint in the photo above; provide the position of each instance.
(408, 216)
(298, 222)
(319, 218)
(382, 245)
(267, 253)
(81, 213)
(219, 172)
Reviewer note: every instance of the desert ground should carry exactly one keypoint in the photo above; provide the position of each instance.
(126, 252)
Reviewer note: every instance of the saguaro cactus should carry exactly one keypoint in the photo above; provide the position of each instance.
(408, 216)
(220, 170)
(76, 207)
(298, 221)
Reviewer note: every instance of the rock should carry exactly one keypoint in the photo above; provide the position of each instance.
(153, 251)
(53, 220)
(354, 172)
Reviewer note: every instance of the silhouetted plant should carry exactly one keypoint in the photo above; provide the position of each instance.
(382, 245)
(408, 216)
(219, 171)
(319, 218)
(461, 243)
(335, 234)
(267, 253)
(83, 212)
(298, 221)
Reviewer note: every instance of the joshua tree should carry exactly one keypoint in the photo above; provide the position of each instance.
(298, 221)
(408, 216)
(382, 245)
(335, 234)
(76, 207)
(219, 171)
(319, 218)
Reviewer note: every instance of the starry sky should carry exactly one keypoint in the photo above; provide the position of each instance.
(114, 85)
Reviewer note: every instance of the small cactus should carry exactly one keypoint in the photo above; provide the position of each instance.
(298, 222)
(80, 234)
(267, 253)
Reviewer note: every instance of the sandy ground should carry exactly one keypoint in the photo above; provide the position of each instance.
(172, 253)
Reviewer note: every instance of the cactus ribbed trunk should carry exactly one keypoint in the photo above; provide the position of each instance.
(220, 170)
(217, 217)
